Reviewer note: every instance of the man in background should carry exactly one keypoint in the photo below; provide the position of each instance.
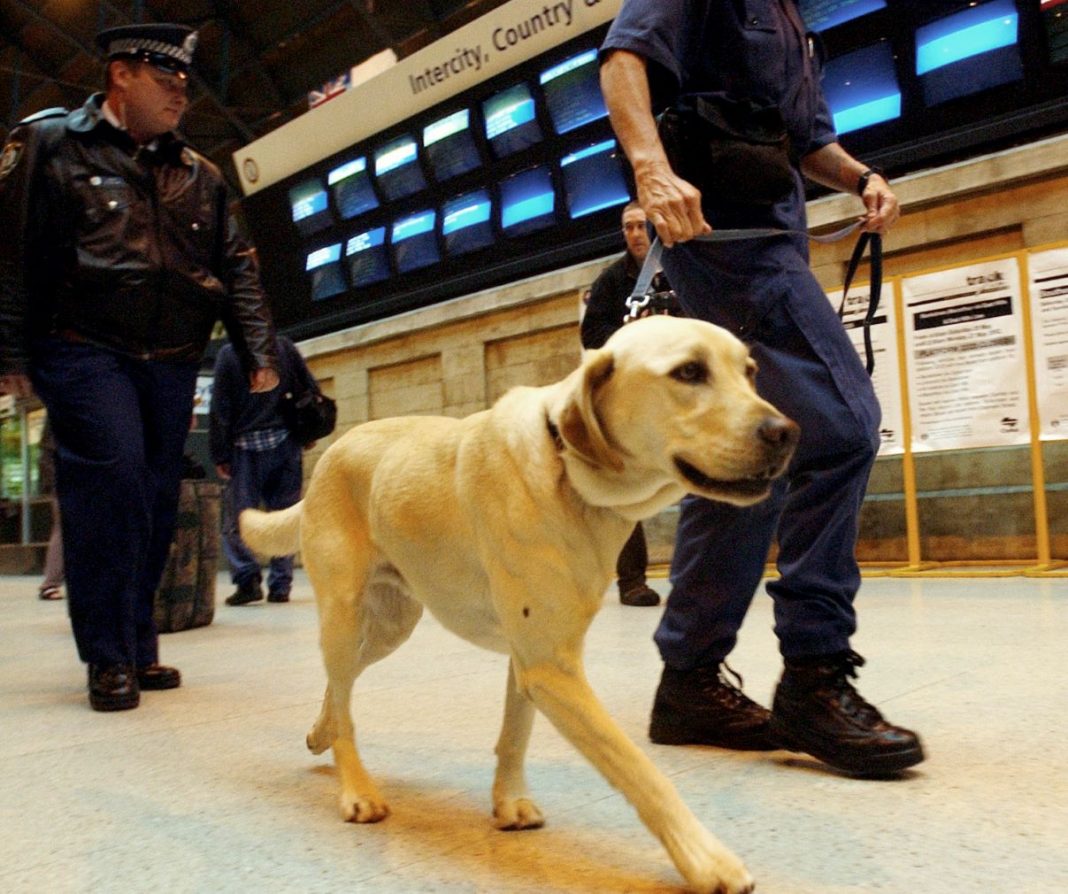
(260, 459)
(606, 311)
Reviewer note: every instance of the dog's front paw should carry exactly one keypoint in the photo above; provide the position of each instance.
(516, 814)
(363, 808)
(731, 878)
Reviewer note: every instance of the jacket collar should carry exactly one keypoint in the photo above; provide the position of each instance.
(90, 117)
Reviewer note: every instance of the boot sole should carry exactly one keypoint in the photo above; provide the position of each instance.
(665, 733)
(122, 703)
(880, 763)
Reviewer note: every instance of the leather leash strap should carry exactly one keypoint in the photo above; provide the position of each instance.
(639, 298)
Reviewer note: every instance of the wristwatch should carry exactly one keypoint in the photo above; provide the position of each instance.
(862, 180)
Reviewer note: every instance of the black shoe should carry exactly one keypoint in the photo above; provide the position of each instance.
(247, 591)
(278, 596)
(157, 676)
(817, 711)
(640, 595)
(704, 707)
(113, 688)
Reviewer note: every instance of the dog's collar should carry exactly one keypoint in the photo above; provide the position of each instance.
(554, 433)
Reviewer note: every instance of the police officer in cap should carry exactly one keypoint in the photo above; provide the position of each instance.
(120, 253)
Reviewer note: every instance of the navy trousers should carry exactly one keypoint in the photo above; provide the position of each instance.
(269, 478)
(765, 293)
(120, 426)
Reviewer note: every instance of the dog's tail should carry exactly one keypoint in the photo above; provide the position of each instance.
(272, 533)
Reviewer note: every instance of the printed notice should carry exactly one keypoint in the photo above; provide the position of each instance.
(1049, 323)
(965, 356)
(886, 376)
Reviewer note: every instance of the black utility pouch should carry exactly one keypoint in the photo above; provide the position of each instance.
(735, 151)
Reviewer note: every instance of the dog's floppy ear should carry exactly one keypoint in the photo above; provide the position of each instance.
(580, 426)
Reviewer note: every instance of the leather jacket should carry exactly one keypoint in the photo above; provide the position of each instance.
(132, 249)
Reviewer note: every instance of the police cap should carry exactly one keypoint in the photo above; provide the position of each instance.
(167, 47)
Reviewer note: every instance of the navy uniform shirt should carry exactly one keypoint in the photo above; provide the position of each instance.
(745, 48)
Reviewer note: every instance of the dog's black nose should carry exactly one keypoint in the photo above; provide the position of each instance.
(778, 431)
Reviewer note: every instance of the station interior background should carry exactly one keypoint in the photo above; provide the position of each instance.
(964, 548)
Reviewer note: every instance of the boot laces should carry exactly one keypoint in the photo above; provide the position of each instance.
(845, 694)
(727, 686)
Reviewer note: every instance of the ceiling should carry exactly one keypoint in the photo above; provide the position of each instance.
(255, 63)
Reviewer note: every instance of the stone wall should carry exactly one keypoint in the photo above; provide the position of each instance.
(458, 357)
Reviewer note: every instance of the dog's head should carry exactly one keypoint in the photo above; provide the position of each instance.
(669, 406)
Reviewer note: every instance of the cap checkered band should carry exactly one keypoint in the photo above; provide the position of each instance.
(141, 45)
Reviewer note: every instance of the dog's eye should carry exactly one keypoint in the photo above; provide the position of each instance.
(751, 371)
(693, 373)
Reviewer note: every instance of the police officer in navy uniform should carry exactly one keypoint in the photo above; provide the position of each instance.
(119, 255)
(661, 53)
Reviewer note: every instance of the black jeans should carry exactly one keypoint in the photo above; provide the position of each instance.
(630, 566)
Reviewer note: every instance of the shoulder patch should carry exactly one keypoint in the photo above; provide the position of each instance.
(54, 112)
(9, 159)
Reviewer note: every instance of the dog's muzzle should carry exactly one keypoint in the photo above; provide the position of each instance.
(778, 436)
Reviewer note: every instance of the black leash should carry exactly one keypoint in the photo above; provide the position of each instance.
(639, 299)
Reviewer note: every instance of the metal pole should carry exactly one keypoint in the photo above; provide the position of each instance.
(24, 438)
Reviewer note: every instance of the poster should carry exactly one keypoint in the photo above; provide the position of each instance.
(1049, 327)
(965, 357)
(886, 376)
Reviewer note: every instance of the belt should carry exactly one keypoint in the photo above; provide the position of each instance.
(639, 298)
(76, 337)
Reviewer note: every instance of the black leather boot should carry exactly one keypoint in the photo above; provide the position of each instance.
(817, 711)
(247, 591)
(704, 707)
(113, 688)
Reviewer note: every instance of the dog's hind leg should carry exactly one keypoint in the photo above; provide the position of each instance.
(513, 808)
(362, 619)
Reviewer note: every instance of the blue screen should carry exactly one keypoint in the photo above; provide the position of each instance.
(971, 51)
(465, 222)
(414, 242)
(593, 179)
(527, 201)
(366, 254)
(310, 206)
(397, 169)
(819, 15)
(450, 146)
(573, 92)
(511, 121)
(861, 88)
(351, 185)
(327, 277)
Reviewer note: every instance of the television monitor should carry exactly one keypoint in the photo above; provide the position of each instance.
(310, 206)
(593, 179)
(367, 257)
(511, 121)
(969, 51)
(465, 222)
(324, 265)
(528, 201)
(397, 169)
(351, 185)
(450, 145)
(573, 92)
(1055, 19)
(862, 89)
(415, 244)
(819, 15)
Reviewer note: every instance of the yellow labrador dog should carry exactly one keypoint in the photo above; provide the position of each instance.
(506, 526)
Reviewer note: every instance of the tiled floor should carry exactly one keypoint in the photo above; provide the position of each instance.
(209, 788)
